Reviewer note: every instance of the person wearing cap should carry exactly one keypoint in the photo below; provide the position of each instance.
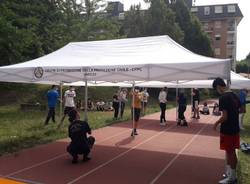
(80, 143)
(69, 103)
(53, 97)
(136, 108)
(163, 104)
(229, 104)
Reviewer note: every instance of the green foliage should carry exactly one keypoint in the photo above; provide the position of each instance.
(159, 19)
(20, 129)
(243, 170)
(32, 28)
(194, 38)
(243, 66)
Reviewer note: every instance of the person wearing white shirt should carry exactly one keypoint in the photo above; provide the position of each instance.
(122, 101)
(69, 103)
(145, 96)
(163, 103)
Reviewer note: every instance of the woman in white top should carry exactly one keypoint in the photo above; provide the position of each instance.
(163, 102)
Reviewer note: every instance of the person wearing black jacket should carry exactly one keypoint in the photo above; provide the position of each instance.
(80, 144)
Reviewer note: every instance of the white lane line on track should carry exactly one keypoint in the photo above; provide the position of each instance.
(120, 155)
(179, 153)
(64, 154)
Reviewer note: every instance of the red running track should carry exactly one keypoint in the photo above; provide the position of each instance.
(159, 154)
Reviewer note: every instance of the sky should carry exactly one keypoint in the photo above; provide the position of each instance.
(243, 34)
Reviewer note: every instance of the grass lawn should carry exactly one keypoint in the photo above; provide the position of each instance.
(244, 159)
(23, 129)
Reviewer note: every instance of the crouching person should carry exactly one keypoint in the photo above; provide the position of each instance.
(80, 143)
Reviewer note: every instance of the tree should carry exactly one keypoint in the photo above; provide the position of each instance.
(159, 19)
(134, 23)
(32, 28)
(195, 39)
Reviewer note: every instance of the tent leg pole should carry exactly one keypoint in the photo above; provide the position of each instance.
(133, 108)
(86, 101)
(191, 102)
(176, 96)
(61, 100)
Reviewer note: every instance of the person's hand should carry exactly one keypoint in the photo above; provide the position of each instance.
(215, 126)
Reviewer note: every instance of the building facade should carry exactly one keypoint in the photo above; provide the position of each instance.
(220, 23)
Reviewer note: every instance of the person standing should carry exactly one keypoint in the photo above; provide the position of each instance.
(196, 101)
(145, 96)
(122, 100)
(163, 104)
(52, 97)
(229, 104)
(69, 103)
(115, 105)
(135, 109)
(243, 102)
(182, 105)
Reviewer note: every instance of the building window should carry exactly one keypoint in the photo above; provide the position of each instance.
(217, 37)
(217, 51)
(218, 9)
(206, 26)
(206, 10)
(194, 9)
(231, 8)
(217, 24)
(121, 16)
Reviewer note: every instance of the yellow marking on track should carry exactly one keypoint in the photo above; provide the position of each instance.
(7, 181)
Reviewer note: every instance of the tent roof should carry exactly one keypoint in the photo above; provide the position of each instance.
(146, 58)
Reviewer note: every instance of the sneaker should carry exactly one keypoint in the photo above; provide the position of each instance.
(179, 123)
(228, 181)
(75, 160)
(184, 124)
(224, 175)
(85, 159)
(162, 124)
(135, 133)
(198, 117)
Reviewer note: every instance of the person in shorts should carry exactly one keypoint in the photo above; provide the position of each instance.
(135, 108)
(69, 103)
(229, 104)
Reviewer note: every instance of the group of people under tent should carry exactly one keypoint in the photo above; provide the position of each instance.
(230, 107)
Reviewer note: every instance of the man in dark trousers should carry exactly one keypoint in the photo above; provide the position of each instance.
(80, 143)
(52, 96)
(229, 104)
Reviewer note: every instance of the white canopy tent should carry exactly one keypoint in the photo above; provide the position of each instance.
(237, 82)
(155, 58)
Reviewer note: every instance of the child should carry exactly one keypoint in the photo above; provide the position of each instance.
(182, 102)
(205, 109)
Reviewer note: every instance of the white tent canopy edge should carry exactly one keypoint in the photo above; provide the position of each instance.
(154, 58)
